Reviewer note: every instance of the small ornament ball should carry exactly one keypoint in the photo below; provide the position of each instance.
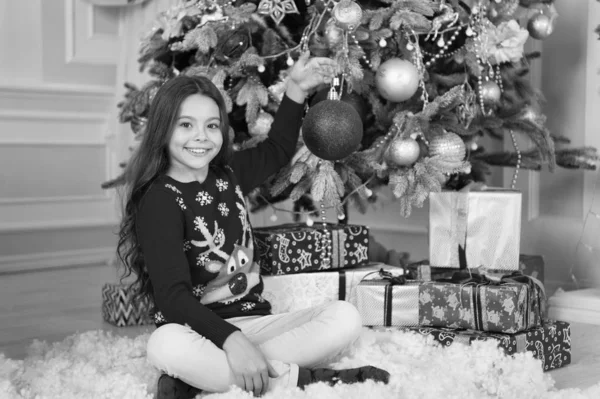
(449, 145)
(397, 80)
(334, 35)
(403, 152)
(332, 130)
(262, 125)
(540, 26)
(490, 92)
(347, 15)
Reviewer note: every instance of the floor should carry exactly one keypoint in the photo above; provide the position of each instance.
(50, 305)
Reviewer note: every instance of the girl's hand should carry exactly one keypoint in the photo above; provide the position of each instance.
(250, 368)
(308, 73)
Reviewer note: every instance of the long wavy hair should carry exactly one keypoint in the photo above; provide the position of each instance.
(151, 160)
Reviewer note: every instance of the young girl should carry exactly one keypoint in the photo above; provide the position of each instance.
(186, 235)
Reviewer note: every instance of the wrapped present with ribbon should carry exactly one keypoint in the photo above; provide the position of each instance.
(483, 302)
(550, 342)
(288, 293)
(388, 299)
(298, 248)
(122, 307)
(475, 229)
(529, 265)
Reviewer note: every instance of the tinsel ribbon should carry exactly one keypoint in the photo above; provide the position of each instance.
(478, 281)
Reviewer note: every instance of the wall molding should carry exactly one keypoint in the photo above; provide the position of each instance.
(29, 115)
(54, 260)
(26, 226)
(55, 143)
(82, 44)
(44, 200)
(55, 89)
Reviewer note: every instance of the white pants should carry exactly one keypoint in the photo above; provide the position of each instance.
(305, 338)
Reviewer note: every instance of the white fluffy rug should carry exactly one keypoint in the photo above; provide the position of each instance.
(97, 364)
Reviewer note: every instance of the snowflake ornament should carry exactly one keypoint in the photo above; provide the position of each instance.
(223, 209)
(277, 9)
(222, 185)
(201, 260)
(247, 306)
(198, 290)
(159, 318)
(204, 198)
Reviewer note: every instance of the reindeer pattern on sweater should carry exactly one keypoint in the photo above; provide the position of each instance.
(218, 244)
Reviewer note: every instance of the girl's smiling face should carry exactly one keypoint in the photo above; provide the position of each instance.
(196, 139)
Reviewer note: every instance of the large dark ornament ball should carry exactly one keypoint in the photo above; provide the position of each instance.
(332, 130)
(354, 99)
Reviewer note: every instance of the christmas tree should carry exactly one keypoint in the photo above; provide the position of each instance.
(421, 81)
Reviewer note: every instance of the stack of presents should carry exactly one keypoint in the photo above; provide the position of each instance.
(474, 286)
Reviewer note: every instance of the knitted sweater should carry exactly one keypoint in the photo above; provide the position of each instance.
(196, 238)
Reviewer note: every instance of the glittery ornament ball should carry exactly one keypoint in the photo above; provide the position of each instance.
(403, 152)
(347, 15)
(540, 26)
(332, 130)
(262, 125)
(334, 35)
(397, 80)
(448, 145)
(490, 92)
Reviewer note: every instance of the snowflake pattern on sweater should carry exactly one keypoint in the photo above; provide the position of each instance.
(220, 245)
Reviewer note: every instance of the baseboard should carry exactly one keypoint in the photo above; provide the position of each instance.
(577, 306)
(55, 260)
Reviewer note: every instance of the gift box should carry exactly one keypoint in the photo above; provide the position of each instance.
(510, 304)
(475, 229)
(550, 342)
(121, 306)
(288, 293)
(298, 248)
(529, 265)
(388, 301)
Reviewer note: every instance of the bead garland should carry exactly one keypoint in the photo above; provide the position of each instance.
(518, 166)
(442, 53)
(326, 243)
(364, 56)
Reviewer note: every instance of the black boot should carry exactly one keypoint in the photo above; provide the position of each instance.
(347, 376)
(173, 388)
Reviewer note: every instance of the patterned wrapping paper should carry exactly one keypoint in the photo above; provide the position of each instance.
(508, 306)
(297, 248)
(122, 308)
(288, 293)
(550, 342)
(475, 229)
(381, 302)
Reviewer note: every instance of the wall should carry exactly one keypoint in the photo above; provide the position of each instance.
(57, 75)
(556, 205)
